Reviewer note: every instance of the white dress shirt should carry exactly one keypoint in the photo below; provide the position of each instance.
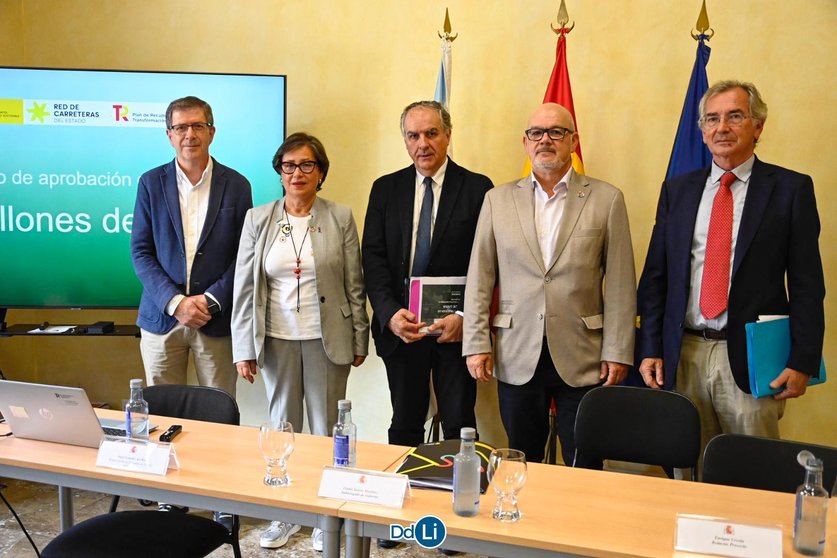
(194, 201)
(548, 213)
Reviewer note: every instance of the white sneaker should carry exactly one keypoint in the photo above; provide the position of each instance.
(277, 535)
(317, 539)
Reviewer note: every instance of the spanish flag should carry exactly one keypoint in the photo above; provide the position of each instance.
(559, 91)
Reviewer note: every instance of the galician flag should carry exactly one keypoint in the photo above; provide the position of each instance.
(443, 81)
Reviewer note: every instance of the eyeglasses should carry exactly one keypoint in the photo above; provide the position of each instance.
(197, 127)
(307, 167)
(712, 121)
(557, 134)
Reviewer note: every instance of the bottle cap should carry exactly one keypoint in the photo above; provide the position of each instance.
(344, 405)
(468, 433)
(136, 383)
(807, 460)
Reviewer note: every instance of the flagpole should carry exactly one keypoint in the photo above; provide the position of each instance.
(443, 81)
(442, 95)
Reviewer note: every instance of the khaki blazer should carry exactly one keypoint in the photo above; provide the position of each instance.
(334, 240)
(584, 301)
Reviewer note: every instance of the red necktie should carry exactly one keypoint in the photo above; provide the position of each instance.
(714, 288)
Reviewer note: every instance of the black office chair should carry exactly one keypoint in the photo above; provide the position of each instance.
(138, 534)
(638, 425)
(763, 463)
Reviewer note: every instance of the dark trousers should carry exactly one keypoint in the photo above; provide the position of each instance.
(524, 410)
(408, 372)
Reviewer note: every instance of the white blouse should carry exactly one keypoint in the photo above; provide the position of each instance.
(284, 291)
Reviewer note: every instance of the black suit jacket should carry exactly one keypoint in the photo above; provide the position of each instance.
(388, 235)
(777, 241)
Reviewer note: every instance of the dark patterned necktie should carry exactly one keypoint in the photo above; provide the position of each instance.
(422, 254)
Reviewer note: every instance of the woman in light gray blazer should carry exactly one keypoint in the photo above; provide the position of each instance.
(299, 308)
(299, 302)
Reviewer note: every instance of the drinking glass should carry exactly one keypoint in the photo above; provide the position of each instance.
(276, 442)
(507, 475)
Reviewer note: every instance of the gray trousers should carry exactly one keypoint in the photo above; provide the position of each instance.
(297, 370)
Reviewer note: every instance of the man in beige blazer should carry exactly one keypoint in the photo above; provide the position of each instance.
(558, 246)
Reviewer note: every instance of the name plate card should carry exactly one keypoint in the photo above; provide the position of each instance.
(139, 456)
(709, 535)
(366, 487)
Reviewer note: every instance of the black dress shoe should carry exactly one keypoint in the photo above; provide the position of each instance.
(386, 543)
(449, 552)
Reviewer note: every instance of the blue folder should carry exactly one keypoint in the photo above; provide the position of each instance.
(768, 349)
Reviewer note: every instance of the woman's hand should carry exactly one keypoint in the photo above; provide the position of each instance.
(247, 369)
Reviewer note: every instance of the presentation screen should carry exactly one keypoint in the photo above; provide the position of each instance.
(73, 144)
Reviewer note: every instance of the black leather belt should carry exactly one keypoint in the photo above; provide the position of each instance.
(708, 333)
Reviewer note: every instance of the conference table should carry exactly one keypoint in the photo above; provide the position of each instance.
(566, 511)
(580, 512)
(221, 468)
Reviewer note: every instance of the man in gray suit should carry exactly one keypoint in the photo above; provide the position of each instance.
(550, 241)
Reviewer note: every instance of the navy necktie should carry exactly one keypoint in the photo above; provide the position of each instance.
(422, 254)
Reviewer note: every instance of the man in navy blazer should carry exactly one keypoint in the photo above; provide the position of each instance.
(694, 299)
(187, 223)
(389, 251)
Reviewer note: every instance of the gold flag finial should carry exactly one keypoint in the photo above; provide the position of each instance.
(563, 19)
(447, 28)
(702, 25)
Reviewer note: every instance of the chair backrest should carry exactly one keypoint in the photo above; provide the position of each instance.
(639, 425)
(192, 402)
(763, 463)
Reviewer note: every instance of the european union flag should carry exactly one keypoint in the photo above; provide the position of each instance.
(689, 152)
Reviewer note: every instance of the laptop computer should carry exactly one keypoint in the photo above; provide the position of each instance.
(55, 414)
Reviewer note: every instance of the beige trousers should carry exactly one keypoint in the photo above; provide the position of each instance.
(166, 357)
(705, 377)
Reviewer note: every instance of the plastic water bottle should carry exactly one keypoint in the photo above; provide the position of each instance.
(466, 476)
(811, 509)
(136, 413)
(345, 436)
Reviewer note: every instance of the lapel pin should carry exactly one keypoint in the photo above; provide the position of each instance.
(581, 194)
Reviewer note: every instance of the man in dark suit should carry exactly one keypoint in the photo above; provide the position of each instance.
(187, 223)
(395, 247)
(726, 241)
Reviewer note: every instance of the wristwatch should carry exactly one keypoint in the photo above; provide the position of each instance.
(214, 307)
